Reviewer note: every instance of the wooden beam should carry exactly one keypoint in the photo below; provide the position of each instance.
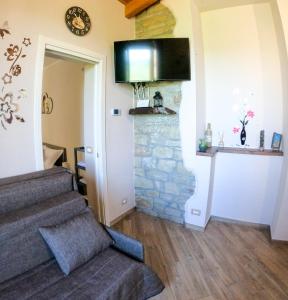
(135, 7)
(125, 1)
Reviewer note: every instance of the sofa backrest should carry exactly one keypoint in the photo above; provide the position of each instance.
(33, 175)
(22, 247)
(28, 202)
(26, 190)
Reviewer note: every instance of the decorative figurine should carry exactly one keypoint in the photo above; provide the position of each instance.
(261, 147)
(158, 99)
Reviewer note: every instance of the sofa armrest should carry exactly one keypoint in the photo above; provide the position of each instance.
(126, 244)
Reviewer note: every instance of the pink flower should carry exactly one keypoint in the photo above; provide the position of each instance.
(250, 114)
(236, 130)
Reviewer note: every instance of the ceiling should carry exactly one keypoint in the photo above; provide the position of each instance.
(205, 5)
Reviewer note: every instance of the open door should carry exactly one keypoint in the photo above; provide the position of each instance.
(93, 116)
(91, 143)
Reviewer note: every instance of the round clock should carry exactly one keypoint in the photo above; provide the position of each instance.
(77, 20)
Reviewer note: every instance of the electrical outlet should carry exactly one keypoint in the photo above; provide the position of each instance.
(124, 201)
(196, 212)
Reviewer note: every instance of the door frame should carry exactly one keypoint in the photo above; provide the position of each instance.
(99, 65)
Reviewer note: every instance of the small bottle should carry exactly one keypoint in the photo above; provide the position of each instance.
(208, 135)
(261, 146)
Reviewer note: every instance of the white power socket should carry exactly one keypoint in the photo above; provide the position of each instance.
(196, 212)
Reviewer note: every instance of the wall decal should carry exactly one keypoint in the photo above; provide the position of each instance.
(14, 53)
(47, 104)
(9, 107)
(7, 79)
(4, 30)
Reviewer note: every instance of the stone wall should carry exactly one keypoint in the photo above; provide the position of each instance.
(162, 184)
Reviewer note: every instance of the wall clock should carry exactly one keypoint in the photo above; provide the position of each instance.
(77, 20)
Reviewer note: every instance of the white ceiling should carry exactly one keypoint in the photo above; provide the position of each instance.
(205, 5)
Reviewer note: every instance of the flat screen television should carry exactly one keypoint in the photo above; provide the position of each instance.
(152, 60)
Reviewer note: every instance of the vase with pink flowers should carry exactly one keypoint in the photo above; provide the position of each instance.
(249, 115)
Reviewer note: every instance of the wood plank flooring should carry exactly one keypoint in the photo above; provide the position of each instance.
(227, 261)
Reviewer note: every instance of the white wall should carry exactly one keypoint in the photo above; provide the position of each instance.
(279, 228)
(252, 64)
(242, 66)
(31, 18)
(245, 187)
(63, 81)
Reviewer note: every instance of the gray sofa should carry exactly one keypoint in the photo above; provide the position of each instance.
(28, 269)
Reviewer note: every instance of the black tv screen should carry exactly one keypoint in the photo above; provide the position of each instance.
(152, 60)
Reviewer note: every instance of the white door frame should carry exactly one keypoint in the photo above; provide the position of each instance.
(99, 62)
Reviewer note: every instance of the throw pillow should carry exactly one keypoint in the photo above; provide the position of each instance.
(76, 241)
(50, 157)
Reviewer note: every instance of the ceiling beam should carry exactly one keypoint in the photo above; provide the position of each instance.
(125, 1)
(135, 7)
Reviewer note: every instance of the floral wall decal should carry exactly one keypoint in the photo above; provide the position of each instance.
(4, 30)
(9, 106)
(14, 53)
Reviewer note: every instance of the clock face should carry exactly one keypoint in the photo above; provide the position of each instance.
(77, 20)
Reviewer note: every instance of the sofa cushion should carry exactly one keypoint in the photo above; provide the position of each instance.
(76, 240)
(109, 275)
(19, 194)
(21, 244)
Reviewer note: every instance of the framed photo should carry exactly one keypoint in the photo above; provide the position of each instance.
(276, 141)
(143, 103)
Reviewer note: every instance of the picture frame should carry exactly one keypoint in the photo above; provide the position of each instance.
(276, 141)
(143, 103)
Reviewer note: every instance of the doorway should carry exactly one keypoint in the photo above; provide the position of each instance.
(90, 116)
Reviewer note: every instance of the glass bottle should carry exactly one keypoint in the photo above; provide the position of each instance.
(208, 135)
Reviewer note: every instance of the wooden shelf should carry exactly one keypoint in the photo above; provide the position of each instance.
(151, 111)
(210, 152)
(213, 150)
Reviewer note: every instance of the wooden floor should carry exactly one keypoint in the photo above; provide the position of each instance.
(227, 261)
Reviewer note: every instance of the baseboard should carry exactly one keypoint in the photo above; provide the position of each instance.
(194, 227)
(118, 219)
(244, 223)
(237, 222)
(278, 241)
(282, 242)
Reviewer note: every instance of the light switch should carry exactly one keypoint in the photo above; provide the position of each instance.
(116, 112)
(89, 149)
